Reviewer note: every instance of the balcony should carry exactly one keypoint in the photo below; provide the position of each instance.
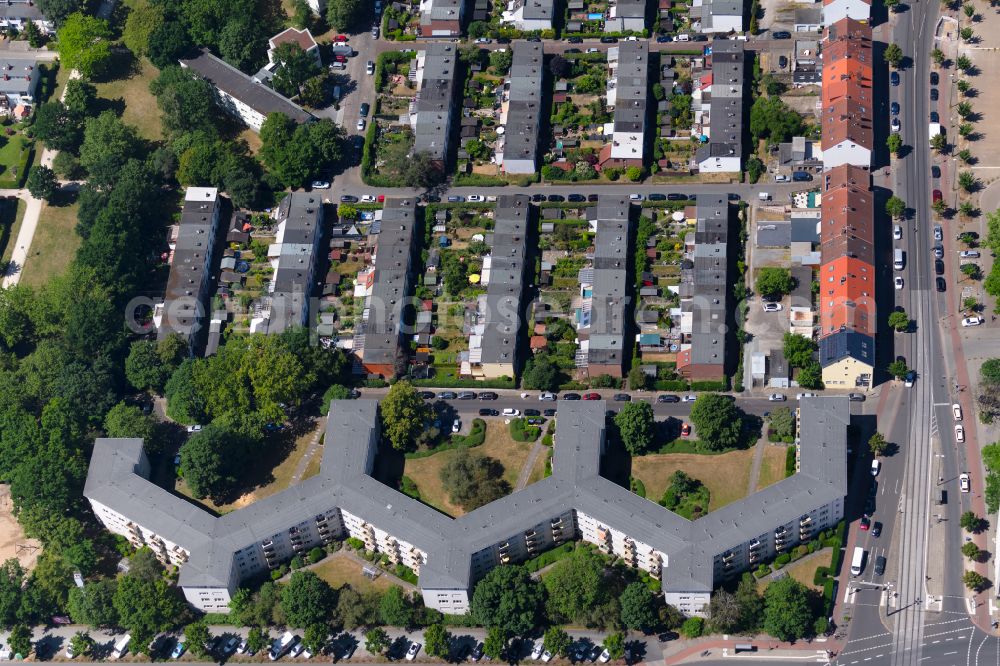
(728, 557)
(505, 559)
(504, 547)
(629, 545)
(805, 520)
(754, 544)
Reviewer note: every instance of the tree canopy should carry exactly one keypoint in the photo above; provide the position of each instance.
(788, 611)
(307, 599)
(636, 426)
(717, 420)
(473, 480)
(507, 599)
(798, 349)
(297, 154)
(213, 460)
(575, 586)
(293, 68)
(772, 119)
(638, 607)
(774, 282)
(403, 414)
(85, 44)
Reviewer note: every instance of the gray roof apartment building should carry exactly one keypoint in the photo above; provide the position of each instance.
(185, 301)
(16, 14)
(628, 94)
(703, 353)
(441, 18)
(18, 85)
(432, 113)
(529, 14)
(493, 343)
(451, 555)
(523, 120)
(241, 95)
(626, 15)
(606, 291)
(383, 326)
(723, 152)
(293, 257)
(719, 16)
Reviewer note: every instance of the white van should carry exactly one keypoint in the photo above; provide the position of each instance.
(280, 646)
(898, 259)
(858, 561)
(763, 196)
(121, 646)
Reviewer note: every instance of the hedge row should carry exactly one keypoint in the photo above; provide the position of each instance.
(522, 431)
(789, 461)
(637, 486)
(456, 382)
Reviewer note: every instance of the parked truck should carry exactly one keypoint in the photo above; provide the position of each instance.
(121, 646)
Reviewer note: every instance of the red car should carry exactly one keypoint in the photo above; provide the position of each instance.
(685, 430)
(866, 522)
(340, 39)
(591, 396)
(937, 196)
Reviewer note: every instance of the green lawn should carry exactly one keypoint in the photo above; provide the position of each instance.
(10, 225)
(53, 246)
(140, 105)
(13, 156)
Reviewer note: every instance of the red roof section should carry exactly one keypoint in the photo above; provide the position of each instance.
(847, 296)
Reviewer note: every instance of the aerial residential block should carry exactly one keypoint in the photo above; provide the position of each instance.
(625, 15)
(192, 260)
(216, 554)
(493, 342)
(17, 13)
(240, 95)
(720, 114)
(436, 67)
(847, 113)
(718, 16)
(379, 338)
(529, 15)
(520, 115)
(293, 255)
(441, 18)
(837, 10)
(628, 94)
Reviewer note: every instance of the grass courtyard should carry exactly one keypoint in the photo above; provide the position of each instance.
(803, 570)
(53, 246)
(13, 159)
(132, 92)
(339, 569)
(772, 467)
(425, 472)
(11, 215)
(725, 475)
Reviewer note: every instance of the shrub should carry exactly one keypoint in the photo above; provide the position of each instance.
(521, 431)
(297, 562)
(782, 560)
(316, 554)
(693, 627)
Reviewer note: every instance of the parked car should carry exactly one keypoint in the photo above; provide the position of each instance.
(193, 428)
(667, 398)
(894, 108)
(427, 395)
(549, 412)
(685, 430)
(447, 395)
(475, 198)
(367, 198)
(938, 233)
(895, 125)
(575, 40)
(856, 397)
(456, 425)
(570, 396)
(556, 198)
(412, 651)
(897, 232)
(609, 40)
(940, 284)
(776, 397)
(879, 565)
(662, 39)
(782, 62)
(936, 196)
(537, 197)
(690, 397)
(972, 321)
(486, 411)
(934, 117)
(488, 395)
(894, 78)
(938, 267)
(577, 198)
(963, 482)
(360, 124)
(772, 307)
(801, 176)
(510, 411)
(866, 523)
(591, 396)
(676, 196)
(547, 396)
(635, 197)
(799, 396)
(897, 282)
(178, 650)
(537, 650)
(909, 379)
(657, 196)
(321, 184)
(956, 411)
(477, 652)
(934, 78)
(781, 34)
(622, 397)
(296, 649)
(876, 467)
(969, 254)
(466, 395)
(370, 67)
(935, 171)
(592, 198)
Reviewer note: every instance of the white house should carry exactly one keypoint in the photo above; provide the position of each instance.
(835, 10)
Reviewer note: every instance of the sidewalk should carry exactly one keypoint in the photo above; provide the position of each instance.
(713, 647)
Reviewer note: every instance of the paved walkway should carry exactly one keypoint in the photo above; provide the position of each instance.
(300, 469)
(713, 647)
(758, 459)
(529, 464)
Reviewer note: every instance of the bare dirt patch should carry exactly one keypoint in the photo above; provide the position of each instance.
(13, 542)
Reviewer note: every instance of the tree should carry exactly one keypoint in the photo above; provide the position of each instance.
(128, 421)
(725, 612)
(967, 181)
(559, 66)
(316, 637)
(575, 586)
(376, 640)
(403, 414)
(197, 637)
(108, 144)
(969, 10)
(718, 421)
(877, 444)
(971, 550)
(893, 55)
(296, 154)
(788, 614)
(186, 102)
(257, 640)
(975, 581)
(614, 643)
(963, 63)
(894, 143)
(540, 374)
(93, 604)
(437, 641)
(57, 127)
(895, 207)
(772, 283)
(473, 480)
(967, 34)
(395, 608)
(507, 598)
(751, 602)
(637, 426)
(42, 182)
(989, 372)
(963, 86)
(638, 607)
(693, 627)
(898, 369)
(57, 10)
(781, 421)
(149, 364)
(85, 44)
(293, 68)
(798, 349)
(899, 320)
(634, 174)
(343, 15)
(939, 142)
(772, 119)
(477, 150)
(20, 640)
(501, 61)
(479, 29)
(972, 271)
(637, 379)
(67, 166)
(212, 461)
(556, 641)
(964, 109)
(970, 522)
(242, 45)
(167, 43)
(966, 156)
(81, 643)
(146, 607)
(143, 20)
(965, 129)
(495, 642)
(937, 55)
(307, 599)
